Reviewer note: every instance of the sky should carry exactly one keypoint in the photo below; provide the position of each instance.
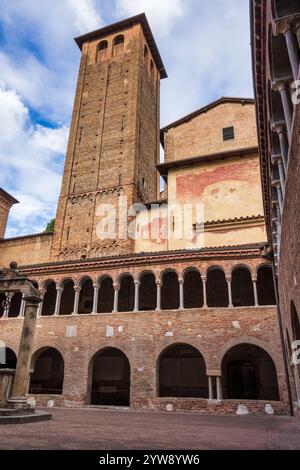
(205, 47)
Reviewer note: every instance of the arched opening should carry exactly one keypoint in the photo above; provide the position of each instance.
(295, 329)
(8, 359)
(147, 292)
(102, 50)
(242, 288)
(106, 296)
(277, 113)
(86, 297)
(2, 301)
(279, 57)
(67, 298)
(110, 384)
(217, 288)
(118, 45)
(48, 372)
(170, 291)
(15, 305)
(126, 294)
(249, 373)
(265, 286)
(182, 373)
(283, 8)
(49, 300)
(193, 290)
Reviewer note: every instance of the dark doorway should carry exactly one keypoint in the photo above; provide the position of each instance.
(110, 379)
(182, 373)
(193, 290)
(170, 291)
(86, 298)
(48, 374)
(242, 288)
(49, 300)
(217, 289)
(10, 359)
(265, 286)
(249, 373)
(106, 296)
(147, 292)
(126, 295)
(15, 305)
(67, 298)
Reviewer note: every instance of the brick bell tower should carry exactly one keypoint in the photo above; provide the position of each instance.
(113, 145)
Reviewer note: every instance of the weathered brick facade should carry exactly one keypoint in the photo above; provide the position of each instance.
(211, 308)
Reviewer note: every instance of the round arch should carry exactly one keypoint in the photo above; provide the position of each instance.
(8, 357)
(249, 373)
(242, 286)
(182, 372)
(48, 372)
(147, 291)
(169, 290)
(109, 378)
(217, 288)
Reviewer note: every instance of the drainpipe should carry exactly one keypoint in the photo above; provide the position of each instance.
(285, 359)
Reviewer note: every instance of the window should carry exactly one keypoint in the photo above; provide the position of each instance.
(228, 133)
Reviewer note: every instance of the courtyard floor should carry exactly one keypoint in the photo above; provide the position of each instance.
(127, 430)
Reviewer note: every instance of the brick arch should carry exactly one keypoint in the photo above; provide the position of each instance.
(243, 266)
(42, 345)
(146, 271)
(158, 390)
(91, 362)
(252, 341)
(165, 344)
(61, 282)
(166, 271)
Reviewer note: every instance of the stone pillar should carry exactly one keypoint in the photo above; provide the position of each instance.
(286, 104)
(283, 145)
(210, 388)
(181, 294)
(204, 280)
(116, 297)
(254, 280)
(95, 299)
(298, 33)
(277, 160)
(136, 295)
(276, 184)
(219, 389)
(59, 291)
(21, 382)
(76, 300)
(229, 292)
(158, 296)
(22, 307)
(40, 308)
(293, 51)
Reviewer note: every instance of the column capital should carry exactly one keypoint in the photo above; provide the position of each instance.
(137, 282)
(116, 286)
(181, 281)
(280, 84)
(275, 184)
(158, 283)
(279, 127)
(96, 286)
(254, 277)
(59, 289)
(276, 159)
(204, 278)
(77, 288)
(228, 279)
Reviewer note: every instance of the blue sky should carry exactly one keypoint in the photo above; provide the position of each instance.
(205, 47)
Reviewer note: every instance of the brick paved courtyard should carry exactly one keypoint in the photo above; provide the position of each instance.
(125, 430)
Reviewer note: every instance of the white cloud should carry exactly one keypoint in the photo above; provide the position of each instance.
(31, 157)
(87, 17)
(162, 14)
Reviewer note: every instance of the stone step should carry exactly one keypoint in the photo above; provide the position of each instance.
(16, 411)
(25, 418)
